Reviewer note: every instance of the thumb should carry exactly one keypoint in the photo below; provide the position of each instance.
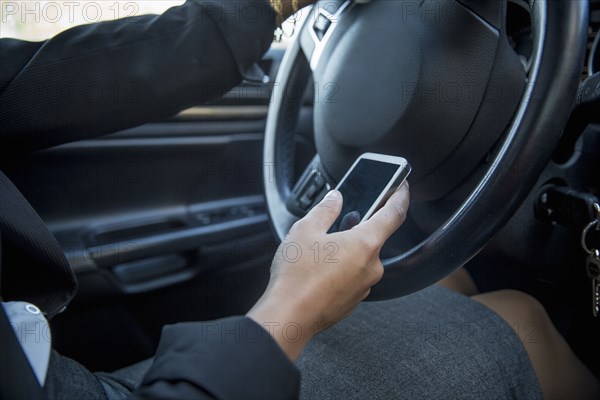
(324, 214)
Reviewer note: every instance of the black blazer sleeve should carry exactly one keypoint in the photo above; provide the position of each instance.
(233, 358)
(100, 78)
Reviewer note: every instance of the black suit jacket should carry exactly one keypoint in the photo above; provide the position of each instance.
(100, 78)
(97, 79)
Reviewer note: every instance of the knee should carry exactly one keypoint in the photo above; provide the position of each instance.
(523, 307)
(523, 312)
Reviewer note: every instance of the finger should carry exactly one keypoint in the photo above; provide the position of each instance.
(390, 217)
(324, 214)
(349, 221)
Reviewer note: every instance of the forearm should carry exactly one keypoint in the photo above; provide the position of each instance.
(100, 78)
(228, 358)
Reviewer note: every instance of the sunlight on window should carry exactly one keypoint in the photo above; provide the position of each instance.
(39, 20)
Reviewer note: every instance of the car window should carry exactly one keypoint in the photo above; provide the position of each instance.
(40, 20)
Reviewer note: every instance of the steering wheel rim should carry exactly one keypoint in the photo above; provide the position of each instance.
(560, 32)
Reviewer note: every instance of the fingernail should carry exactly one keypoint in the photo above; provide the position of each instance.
(333, 195)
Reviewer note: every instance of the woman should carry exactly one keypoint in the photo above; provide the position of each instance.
(437, 343)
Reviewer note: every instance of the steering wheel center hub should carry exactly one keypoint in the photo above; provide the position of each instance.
(411, 79)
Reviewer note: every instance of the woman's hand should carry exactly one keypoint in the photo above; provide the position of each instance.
(317, 279)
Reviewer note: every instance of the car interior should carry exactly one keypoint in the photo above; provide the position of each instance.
(178, 220)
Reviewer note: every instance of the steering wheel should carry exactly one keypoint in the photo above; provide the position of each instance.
(439, 84)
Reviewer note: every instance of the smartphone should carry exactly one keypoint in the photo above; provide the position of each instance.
(368, 184)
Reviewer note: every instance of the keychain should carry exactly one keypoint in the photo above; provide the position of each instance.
(592, 262)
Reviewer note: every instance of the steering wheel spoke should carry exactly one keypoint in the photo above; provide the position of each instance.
(310, 189)
(320, 26)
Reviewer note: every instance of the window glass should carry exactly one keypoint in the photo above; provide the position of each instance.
(40, 20)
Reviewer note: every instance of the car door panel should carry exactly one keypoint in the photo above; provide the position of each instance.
(170, 214)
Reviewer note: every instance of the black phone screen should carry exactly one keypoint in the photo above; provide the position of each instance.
(363, 186)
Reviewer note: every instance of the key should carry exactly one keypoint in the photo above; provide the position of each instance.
(593, 272)
(596, 297)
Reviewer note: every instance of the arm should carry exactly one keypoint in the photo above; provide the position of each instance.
(223, 359)
(252, 357)
(101, 78)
